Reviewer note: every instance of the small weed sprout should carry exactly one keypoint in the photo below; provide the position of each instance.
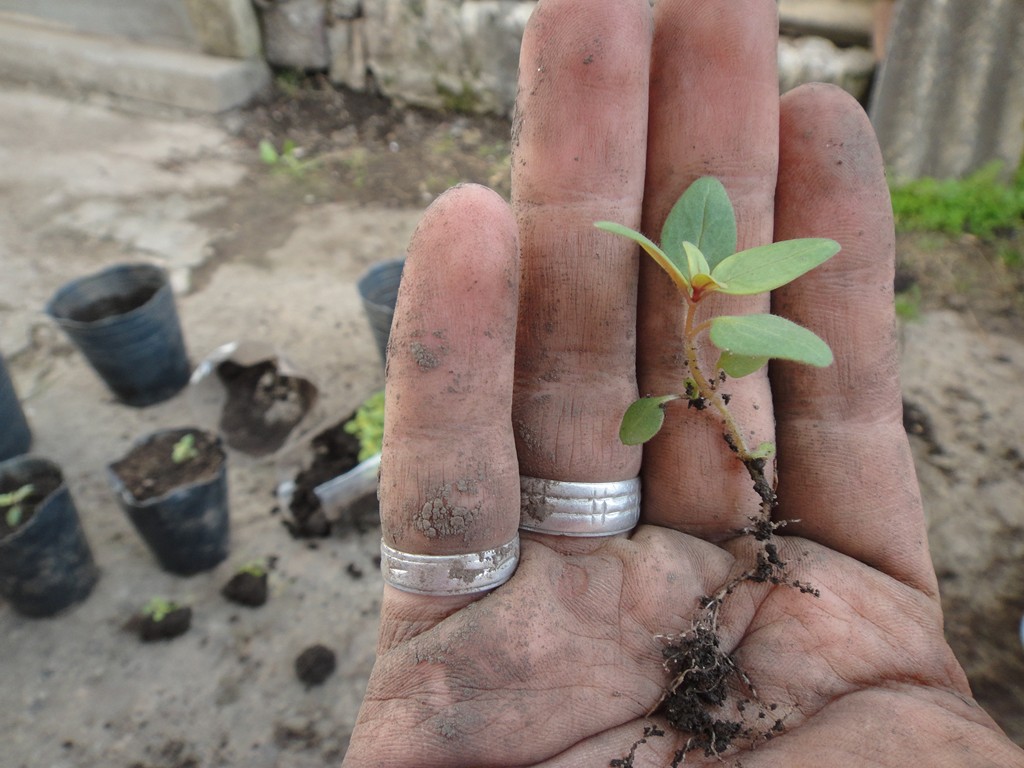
(158, 608)
(12, 503)
(288, 159)
(367, 424)
(256, 569)
(185, 449)
(698, 251)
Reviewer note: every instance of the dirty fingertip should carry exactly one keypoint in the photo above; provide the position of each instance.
(449, 479)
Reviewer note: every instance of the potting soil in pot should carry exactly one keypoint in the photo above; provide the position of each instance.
(148, 473)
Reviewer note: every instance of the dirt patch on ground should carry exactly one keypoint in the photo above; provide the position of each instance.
(963, 361)
(357, 147)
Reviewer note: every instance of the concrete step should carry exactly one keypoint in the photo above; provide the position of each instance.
(39, 53)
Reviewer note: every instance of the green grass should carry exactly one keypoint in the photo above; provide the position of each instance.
(979, 204)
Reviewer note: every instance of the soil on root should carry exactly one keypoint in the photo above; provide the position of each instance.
(174, 624)
(710, 697)
(335, 452)
(247, 588)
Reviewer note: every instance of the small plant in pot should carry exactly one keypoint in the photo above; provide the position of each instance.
(46, 564)
(335, 489)
(173, 486)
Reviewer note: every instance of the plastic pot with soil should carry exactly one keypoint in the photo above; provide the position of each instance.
(173, 486)
(15, 435)
(125, 322)
(330, 476)
(46, 564)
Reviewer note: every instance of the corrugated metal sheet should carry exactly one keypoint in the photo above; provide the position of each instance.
(950, 95)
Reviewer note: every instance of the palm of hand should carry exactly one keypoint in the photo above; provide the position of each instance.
(554, 668)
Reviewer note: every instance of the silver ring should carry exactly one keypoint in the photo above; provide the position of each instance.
(578, 509)
(449, 574)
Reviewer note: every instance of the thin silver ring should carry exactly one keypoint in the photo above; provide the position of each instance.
(578, 509)
(449, 574)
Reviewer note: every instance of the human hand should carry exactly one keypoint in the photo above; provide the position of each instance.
(560, 666)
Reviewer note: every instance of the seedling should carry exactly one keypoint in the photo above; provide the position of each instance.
(367, 424)
(185, 449)
(163, 619)
(698, 252)
(248, 586)
(288, 159)
(255, 569)
(159, 608)
(12, 504)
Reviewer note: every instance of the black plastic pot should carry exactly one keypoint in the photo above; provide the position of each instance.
(187, 528)
(378, 289)
(124, 321)
(15, 436)
(45, 564)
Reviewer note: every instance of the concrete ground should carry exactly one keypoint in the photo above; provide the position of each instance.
(84, 187)
(256, 255)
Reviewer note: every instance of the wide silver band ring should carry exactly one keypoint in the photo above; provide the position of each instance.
(449, 574)
(578, 509)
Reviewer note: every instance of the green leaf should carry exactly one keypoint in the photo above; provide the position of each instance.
(676, 268)
(739, 366)
(704, 216)
(643, 419)
(157, 608)
(695, 261)
(769, 336)
(763, 451)
(767, 267)
(267, 153)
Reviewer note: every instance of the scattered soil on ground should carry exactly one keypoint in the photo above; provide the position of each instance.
(315, 664)
(981, 280)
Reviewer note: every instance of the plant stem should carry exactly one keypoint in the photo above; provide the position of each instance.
(707, 391)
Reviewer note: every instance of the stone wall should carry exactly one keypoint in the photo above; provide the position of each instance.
(464, 54)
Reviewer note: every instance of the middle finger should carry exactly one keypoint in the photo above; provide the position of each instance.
(714, 112)
(578, 157)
